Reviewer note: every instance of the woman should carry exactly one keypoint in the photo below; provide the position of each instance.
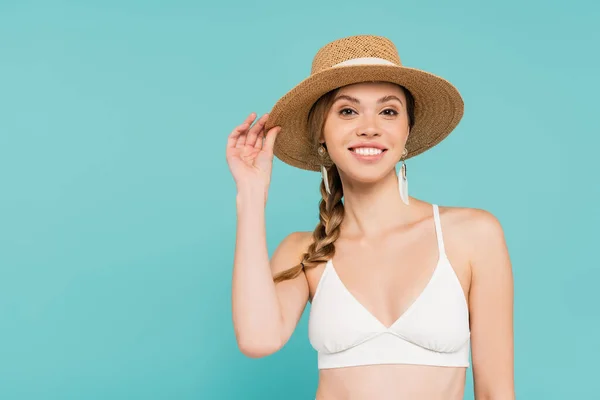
(401, 291)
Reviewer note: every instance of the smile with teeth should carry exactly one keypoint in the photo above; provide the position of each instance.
(367, 151)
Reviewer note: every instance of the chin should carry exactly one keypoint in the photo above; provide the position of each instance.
(366, 175)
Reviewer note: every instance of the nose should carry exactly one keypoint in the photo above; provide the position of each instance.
(368, 131)
(368, 127)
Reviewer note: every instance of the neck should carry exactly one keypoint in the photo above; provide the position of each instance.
(371, 209)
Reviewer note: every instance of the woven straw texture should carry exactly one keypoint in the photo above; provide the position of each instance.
(438, 104)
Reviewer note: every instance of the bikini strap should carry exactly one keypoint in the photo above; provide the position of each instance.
(438, 229)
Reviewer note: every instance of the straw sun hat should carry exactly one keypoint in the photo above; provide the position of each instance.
(354, 59)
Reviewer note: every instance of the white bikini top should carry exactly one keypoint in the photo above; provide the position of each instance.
(434, 330)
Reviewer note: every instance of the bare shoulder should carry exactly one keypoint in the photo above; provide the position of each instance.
(290, 250)
(304, 238)
(480, 230)
(475, 223)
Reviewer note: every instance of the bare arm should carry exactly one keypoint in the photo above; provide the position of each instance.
(264, 316)
(491, 309)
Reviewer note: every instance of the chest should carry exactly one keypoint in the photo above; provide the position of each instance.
(387, 276)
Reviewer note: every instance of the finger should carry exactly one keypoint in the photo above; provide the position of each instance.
(260, 140)
(270, 139)
(256, 130)
(247, 123)
(242, 139)
(236, 134)
(239, 131)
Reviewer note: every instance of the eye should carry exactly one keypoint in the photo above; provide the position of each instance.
(394, 112)
(342, 111)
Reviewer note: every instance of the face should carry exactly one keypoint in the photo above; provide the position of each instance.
(366, 129)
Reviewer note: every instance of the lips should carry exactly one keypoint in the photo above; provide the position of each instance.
(368, 156)
(368, 145)
(367, 150)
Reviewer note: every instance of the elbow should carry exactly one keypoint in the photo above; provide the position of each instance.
(258, 347)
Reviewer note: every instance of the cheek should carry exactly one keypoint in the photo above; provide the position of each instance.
(334, 133)
(330, 126)
(399, 135)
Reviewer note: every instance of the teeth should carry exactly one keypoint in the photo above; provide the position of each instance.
(367, 151)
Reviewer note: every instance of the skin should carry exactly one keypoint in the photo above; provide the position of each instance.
(378, 230)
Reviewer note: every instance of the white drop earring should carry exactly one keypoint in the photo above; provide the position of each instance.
(322, 152)
(402, 180)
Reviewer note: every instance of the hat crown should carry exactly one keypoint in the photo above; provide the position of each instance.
(355, 47)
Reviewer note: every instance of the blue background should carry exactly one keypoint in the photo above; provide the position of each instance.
(117, 209)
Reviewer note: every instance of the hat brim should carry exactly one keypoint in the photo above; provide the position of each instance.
(438, 109)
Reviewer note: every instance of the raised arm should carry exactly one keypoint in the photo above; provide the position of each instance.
(264, 314)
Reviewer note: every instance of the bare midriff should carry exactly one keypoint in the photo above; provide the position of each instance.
(387, 382)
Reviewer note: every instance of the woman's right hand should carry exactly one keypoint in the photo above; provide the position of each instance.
(250, 159)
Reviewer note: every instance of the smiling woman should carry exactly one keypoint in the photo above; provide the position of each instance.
(415, 288)
(345, 113)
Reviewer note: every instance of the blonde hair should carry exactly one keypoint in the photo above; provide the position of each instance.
(331, 208)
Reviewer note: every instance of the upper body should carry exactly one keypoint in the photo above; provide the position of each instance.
(387, 274)
(372, 259)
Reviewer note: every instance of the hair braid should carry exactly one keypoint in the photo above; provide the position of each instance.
(331, 214)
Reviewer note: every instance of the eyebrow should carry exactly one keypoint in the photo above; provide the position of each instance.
(355, 100)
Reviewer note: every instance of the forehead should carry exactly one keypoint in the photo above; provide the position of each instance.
(371, 89)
